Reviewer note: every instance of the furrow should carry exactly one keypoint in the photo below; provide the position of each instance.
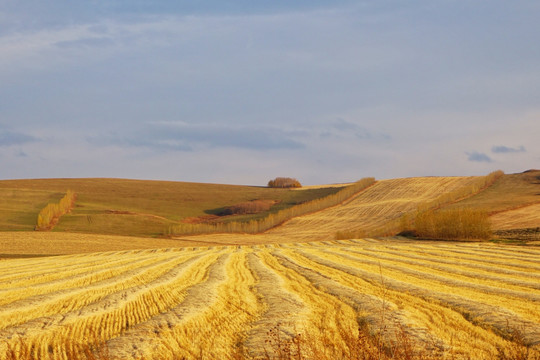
(44, 266)
(382, 315)
(171, 334)
(67, 300)
(455, 272)
(283, 309)
(490, 316)
(471, 256)
(326, 318)
(532, 262)
(120, 310)
(66, 277)
(523, 303)
(433, 258)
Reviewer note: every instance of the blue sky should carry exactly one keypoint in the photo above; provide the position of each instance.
(243, 91)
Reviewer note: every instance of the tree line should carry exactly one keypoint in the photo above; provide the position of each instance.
(426, 222)
(273, 219)
(49, 215)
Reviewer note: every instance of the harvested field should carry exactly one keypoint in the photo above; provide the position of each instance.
(509, 192)
(459, 300)
(24, 244)
(138, 208)
(373, 208)
(527, 216)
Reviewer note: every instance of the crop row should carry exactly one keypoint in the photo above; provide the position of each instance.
(459, 300)
(373, 209)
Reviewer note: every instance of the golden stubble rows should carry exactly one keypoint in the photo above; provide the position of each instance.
(456, 298)
(372, 208)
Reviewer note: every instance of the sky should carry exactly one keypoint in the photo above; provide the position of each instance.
(240, 92)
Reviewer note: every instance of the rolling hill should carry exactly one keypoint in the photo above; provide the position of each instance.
(292, 290)
(132, 207)
(142, 209)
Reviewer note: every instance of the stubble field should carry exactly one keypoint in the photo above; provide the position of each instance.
(460, 300)
(293, 292)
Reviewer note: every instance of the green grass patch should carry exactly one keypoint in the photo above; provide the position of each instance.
(19, 207)
(132, 207)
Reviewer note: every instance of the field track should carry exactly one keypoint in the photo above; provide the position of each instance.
(456, 298)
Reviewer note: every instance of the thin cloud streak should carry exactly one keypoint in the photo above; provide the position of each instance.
(478, 157)
(9, 138)
(501, 149)
(186, 137)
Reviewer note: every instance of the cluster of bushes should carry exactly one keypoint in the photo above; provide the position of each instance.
(453, 224)
(273, 219)
(50, 214)
(406, 222)
(284, 182)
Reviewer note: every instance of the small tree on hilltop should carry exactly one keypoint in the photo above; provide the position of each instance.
(284, 182)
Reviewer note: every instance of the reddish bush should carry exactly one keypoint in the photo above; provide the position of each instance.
(249, 207)
(284, 182)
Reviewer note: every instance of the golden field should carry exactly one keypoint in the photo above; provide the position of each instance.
(460, 300)
(139, 208)
(292, 292)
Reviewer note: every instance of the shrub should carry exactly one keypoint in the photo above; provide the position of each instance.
(50, 214)
(403, 225)
(453, 224)
(273, 219)
(284, 182)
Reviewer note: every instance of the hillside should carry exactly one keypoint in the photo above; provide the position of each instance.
(513, 202)
(373, 208)
(294, 289)
(369, 212)
(132, 207)
(510, 192)
(377, 210)
(142, 209)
